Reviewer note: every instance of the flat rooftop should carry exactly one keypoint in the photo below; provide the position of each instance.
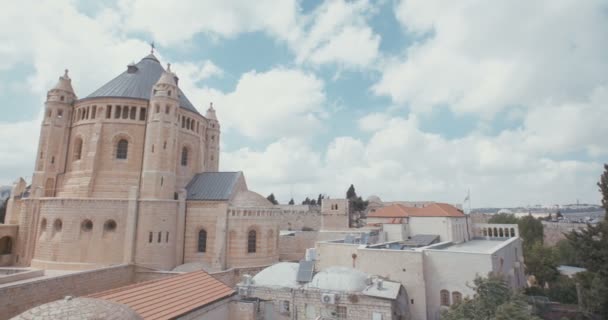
(474, 246)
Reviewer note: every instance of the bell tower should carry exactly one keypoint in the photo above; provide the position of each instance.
(54, 135)
(159, 176)
(213, 140)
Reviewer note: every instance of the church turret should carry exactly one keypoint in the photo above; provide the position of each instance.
(158, 177)
(54, 135)
(213, 140)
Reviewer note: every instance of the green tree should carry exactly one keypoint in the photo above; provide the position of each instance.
(319, 199)
(313, 202)
(603, 185)
(272, 199)
(541, 262)
(350, 193)
(530, 230)
(503, 218)
(291, 202)
(493, 300)
(566, 254)
(306, 201)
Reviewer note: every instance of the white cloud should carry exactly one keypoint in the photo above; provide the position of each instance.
(277, 103)
(18, 145)
(481, 57)
(402, 162)
(338, 32)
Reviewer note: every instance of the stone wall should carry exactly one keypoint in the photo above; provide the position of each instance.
(293, 247)
(297, 217)
(554, 231)
(18, 298)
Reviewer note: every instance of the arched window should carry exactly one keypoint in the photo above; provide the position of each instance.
(6, 245)
(202, 241)
(512, 232)
(57, 225)
(77, 149)
(86, 225)
(49, 187)
(251, 241)
(184, 156)
(456, 297)
(109, 226)
(444, 297)
(122, 149)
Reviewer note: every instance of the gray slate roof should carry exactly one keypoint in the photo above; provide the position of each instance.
(139, 84)
(212, 186)
(422, 240)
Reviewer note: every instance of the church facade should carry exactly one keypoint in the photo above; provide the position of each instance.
(129, 174)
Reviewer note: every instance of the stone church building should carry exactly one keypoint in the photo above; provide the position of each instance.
(129, 174)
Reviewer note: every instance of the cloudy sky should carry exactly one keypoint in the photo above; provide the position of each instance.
(408, 100)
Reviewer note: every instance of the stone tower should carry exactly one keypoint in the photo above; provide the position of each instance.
(213, 140)
(54, 135)
(158, 176)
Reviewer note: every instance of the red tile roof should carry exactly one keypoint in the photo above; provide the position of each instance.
(431, 210)
(170, 297)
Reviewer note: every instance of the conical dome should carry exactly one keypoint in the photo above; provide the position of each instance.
(211, 113)
(167, 77)
(64, 83)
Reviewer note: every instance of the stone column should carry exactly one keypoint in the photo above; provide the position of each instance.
(180, 227)
(131, 226)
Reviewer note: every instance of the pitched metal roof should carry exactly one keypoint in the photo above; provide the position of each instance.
(214, 186)
(421, 240)
(138, 83)
(171, 297)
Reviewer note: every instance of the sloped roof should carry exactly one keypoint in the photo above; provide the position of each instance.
(212, 186)
(431, 210)
(171, 297)
(138, 84)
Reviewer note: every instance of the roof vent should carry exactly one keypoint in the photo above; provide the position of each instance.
(131, 68)
(379, 284)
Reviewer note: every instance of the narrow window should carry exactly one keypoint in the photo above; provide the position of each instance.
(162, 179)
(108, 112)
(164, 145)
(251, 241)
(183, 122)
(444, 297)
(184, 156)
(157, 108)
(150, 237)
(77, 149)
(94, 112)
(188, 123)
(169, 93)
(53, 160)
(167, 109)
(152, 148)
(87, 113)
(117, 112)
(133, 113)
(202, 241)
(160, 234)
(60, 113)
(78, 114)
(122, 149)
(142, 114)
(125, 112)
(167, 236)
(456, 297)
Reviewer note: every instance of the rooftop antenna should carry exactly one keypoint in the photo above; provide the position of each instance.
(152, 47)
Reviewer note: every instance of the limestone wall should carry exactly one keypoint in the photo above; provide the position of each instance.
(79, 231)
(297, 217)
(156, 234)
(554, 231)
(293, 247)
(17, 298)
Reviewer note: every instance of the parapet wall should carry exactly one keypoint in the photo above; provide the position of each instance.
(17, 298)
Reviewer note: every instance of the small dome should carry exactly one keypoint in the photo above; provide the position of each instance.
(250, 199)
(64, 83)
(167, 77)
(374, 198)
(211, 113)
(81, 308)
(282, 274)
(340, 279)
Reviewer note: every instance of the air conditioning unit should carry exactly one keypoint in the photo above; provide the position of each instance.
(244, 291)
(328, 298)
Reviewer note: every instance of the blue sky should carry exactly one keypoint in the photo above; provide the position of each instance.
(408, 100)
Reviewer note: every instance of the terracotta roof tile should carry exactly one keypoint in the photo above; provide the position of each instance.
(431, 210)
(169, 297)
